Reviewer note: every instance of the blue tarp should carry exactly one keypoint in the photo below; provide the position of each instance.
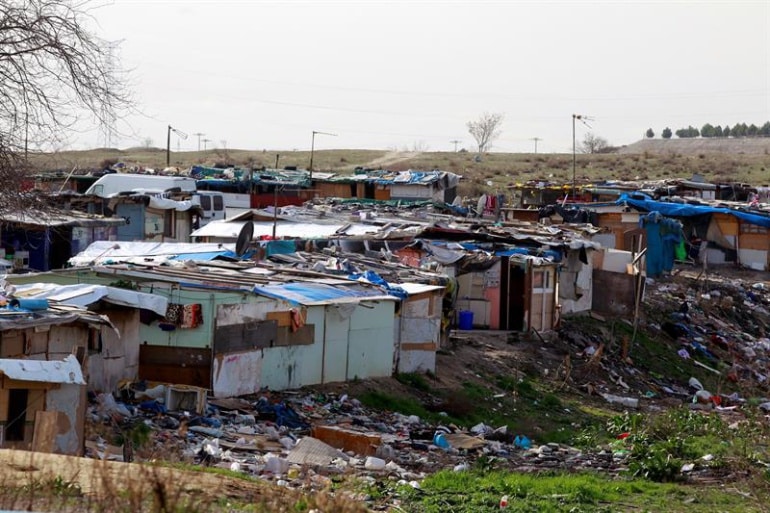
(211, 255)
(376, 279)
(686, 210)
(663, 235)
(304, 293)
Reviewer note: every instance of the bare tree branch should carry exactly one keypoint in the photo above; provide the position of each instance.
(53, 72)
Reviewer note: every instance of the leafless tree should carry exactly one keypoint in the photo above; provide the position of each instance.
(53, 72)
(485, 129)
(594, 144)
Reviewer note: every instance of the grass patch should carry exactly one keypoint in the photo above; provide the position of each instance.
(413, 379)
(479, 492)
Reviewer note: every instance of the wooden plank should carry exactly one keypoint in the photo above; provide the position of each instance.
(418, 346)
(46, 429)
(181, 365)
(282, 318)
(304, 336)
(241, 337)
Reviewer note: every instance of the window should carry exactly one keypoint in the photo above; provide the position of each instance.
(205, 202)
(219, 203)
(541, 280)
(752, 228)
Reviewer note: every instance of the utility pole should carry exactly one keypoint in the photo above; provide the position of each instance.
(198, 135)
(204, 143)
(536, 139)
(455, 142)
(180, 134)
(582, 118)
(312, 149)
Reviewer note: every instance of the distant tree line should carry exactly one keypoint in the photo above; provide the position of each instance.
(708, 130)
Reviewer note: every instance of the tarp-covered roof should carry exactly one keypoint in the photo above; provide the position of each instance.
(83, 295)
(308, 294)
(101, 252)
(671, 209)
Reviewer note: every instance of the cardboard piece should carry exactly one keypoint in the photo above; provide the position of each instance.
(311, 451)
(364, 444)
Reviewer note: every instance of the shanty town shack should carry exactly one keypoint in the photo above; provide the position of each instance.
(223, 332)
(42, 385)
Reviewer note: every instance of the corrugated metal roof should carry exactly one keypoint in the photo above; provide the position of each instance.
(59, 218)
(231, 229)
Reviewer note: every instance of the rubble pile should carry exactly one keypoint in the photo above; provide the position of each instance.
(302, 440)
(712, 324)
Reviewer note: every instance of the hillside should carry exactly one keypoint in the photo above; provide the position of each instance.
(731, 160)
(711, 146)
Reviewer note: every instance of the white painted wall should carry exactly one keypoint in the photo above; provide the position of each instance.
(753, 259)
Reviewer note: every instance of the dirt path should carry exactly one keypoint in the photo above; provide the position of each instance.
(390, 158)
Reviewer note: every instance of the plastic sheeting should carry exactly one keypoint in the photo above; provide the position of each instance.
(663, 235)
(687, 210)
(375, 279)
(319, 294)
(110, 251)
(83, 295)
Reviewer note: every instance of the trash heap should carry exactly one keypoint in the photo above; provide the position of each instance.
(717, 327)
(303, 440)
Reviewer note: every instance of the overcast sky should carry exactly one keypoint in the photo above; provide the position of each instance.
(403, 75)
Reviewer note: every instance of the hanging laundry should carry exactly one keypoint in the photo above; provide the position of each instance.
(192, 316)
(174, 314)
(297, 319)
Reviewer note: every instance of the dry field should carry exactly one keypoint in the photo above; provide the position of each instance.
(732, 160)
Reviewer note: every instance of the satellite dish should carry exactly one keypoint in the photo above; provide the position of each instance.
(244, 239)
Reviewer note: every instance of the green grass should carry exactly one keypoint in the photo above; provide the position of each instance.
(413, 379)
(479, 492)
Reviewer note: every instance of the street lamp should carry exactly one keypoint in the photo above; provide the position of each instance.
(312, 149)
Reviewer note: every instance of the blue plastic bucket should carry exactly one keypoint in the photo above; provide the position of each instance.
(466, 320)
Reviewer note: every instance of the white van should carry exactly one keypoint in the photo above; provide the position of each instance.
(115, 184)
(212, 203)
